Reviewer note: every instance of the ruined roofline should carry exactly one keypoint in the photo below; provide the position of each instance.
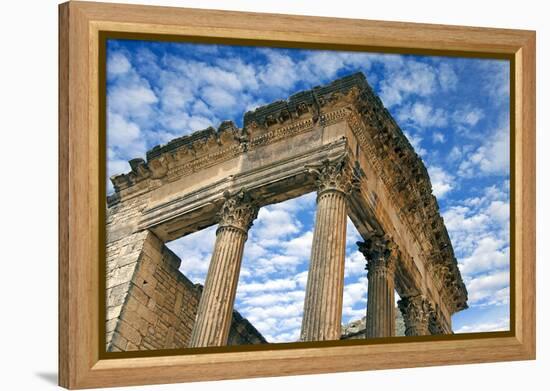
(267, 115)
(388, 135)
(263, 117)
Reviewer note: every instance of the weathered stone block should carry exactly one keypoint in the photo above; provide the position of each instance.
(117, 294)
(120, 275)
(139, 295)
(113, 312)
(129, 333)
(119, 341)
(110, 325)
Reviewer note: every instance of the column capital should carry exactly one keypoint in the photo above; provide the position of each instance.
(238, 211)
(416, 311)
(381, 253)
(337, 175)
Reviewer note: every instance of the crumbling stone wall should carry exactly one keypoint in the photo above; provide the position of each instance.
(150, 303)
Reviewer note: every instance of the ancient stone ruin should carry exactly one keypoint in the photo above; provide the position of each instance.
(337, 140)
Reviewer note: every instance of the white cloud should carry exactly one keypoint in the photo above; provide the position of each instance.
(279, 72)
(301, 278)
(219, 98)
(442, 181)
(468, 116)
(356, 294)
(270, 285)
(195, 251)
(121, 130)
(299, 246)
(131, 99)
(477, 218)
(270, 298)
(492, 157)
(412, 77)
(117, 64)
(490, 253)
(500, 211)
(448, 78)
(175, 96)
(322, 64)
(461, 219)
(180, 123)
(479, 231)
(496, 84)
(422, 115)
(273, 225)
(115, 167)
(438, 137)
(355, 264)
(416, 141)
(352, 235)
(501, 324)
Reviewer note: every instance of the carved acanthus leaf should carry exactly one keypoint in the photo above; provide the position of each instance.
(381, 253)
(416, 310)
(238, 211)
(336, 175)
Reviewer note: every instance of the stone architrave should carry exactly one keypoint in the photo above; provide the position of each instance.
(325, 284)
(216, 305)
(381, 254)
(416, 311)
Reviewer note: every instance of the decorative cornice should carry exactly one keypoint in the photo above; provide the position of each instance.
(408, 185)
(238, 211)
(381, 253)
(303, 103)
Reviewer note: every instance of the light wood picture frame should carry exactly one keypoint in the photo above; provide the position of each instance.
(82, 28)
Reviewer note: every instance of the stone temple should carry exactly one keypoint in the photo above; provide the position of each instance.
(337, 140)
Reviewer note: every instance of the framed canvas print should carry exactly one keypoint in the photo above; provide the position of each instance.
(247, 195)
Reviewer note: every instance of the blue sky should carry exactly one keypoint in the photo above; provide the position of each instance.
(455, 112)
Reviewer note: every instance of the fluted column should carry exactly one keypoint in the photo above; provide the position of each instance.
(381, 254)
(218, 296)
(325, 283)
(416, 312)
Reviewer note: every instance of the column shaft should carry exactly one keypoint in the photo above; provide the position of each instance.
(380, 304)
(325, 284)
(216, 305)
(382, 255)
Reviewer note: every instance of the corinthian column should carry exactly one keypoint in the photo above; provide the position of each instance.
(325, 283)
(416, 312)
(381, 254)
(218, 296)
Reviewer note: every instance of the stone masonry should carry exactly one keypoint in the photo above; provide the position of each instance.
(151, 304)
